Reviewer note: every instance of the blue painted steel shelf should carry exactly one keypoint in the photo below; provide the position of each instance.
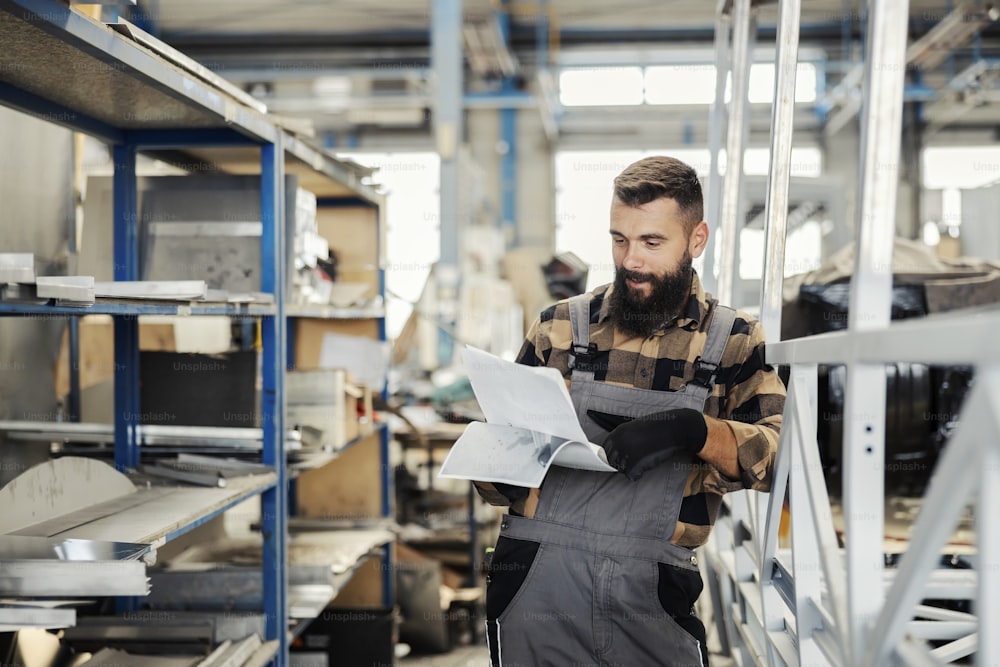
(124, 309)
(67, 69)
(334, 313)
(155, 520)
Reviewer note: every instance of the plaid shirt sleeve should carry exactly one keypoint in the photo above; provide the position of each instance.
(753, 407)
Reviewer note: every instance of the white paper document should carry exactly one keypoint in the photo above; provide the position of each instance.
(530, 424)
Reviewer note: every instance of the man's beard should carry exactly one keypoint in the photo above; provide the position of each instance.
(642, 316)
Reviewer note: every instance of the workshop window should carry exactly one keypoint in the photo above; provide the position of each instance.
(413, 226)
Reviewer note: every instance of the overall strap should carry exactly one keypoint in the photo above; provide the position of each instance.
(579, 320)
(706, 366)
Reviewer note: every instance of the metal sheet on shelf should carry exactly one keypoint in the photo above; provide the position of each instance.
(319, 566)
(15, 618)
(64, 522)
(71, 288)
(216, 436)
(183, 290)
(225, 467)
(17, 547)
(238, 591)
(107, 656)
(263, 655)
(58, 487)
(17, 267)
(73, 578)
(233, 655)
(200, 478)
(336, 550)
(21, 293)
(167, 52)
(206, 228)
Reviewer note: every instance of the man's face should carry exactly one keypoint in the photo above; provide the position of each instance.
(652, 255)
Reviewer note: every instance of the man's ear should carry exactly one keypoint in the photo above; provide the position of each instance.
(698, 239)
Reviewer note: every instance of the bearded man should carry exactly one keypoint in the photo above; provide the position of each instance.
(599, 569)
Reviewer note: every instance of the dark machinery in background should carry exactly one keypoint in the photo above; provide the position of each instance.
(922, 402)
(566, 275)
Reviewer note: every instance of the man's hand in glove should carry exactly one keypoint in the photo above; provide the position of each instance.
(635, 446)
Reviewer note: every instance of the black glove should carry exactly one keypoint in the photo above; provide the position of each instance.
(636, 445)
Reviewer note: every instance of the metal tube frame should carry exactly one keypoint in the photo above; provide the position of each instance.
(274, 332)
(730, 222)
(713, 203)
(834, 605)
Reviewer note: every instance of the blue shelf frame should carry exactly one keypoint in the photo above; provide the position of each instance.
(123, 310)
(274, 498)
(216, 121)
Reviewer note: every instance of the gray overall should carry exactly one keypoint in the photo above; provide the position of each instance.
(578, 584)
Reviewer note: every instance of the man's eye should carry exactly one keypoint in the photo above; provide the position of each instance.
(617, 241)
(652, 244)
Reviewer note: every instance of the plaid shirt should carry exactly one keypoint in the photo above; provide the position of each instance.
(748, 394)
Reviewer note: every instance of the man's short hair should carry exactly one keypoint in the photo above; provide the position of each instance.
(660, 177)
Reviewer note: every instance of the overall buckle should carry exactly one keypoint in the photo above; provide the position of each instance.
(581, 357)
(704, 373)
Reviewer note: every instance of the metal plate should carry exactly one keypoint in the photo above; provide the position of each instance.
(18, 547)
(71, 578)
(17, 267)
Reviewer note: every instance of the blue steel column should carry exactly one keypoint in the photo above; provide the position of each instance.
(126, 258)
(508, 135)
(446, 64)
(274, 500)
(388, 571)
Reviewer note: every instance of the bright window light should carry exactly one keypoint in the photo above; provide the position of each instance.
(931, 234)
(601, 86)
(413, 228)
(762, 83)
(803, 250)
(964, 167)
(680, 84)
(807, 161)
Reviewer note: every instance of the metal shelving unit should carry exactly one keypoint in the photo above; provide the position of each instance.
(67, 69)
(112, 307)
(820, 602)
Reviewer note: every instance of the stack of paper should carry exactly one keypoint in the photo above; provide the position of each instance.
(531, 424)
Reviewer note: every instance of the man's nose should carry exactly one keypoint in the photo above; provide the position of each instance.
(632, 260)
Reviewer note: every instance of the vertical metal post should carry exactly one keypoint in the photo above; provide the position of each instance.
(274, 339)
(446, 64)
(126, 328)
(389, 576)
(779, 168)
(388, 511)
(870, 300)
(508, 177)
(73, 323)
(73, 407)
(988, 535)
(731, 223)
(508, 136)
(716, 125)
(806, 545)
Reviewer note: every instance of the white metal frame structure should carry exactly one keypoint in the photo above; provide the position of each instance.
(819, 603)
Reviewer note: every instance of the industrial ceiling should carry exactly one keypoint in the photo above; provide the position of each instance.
(364, 66)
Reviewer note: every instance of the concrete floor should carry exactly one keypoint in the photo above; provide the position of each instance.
(463, 656)
(478, 656)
